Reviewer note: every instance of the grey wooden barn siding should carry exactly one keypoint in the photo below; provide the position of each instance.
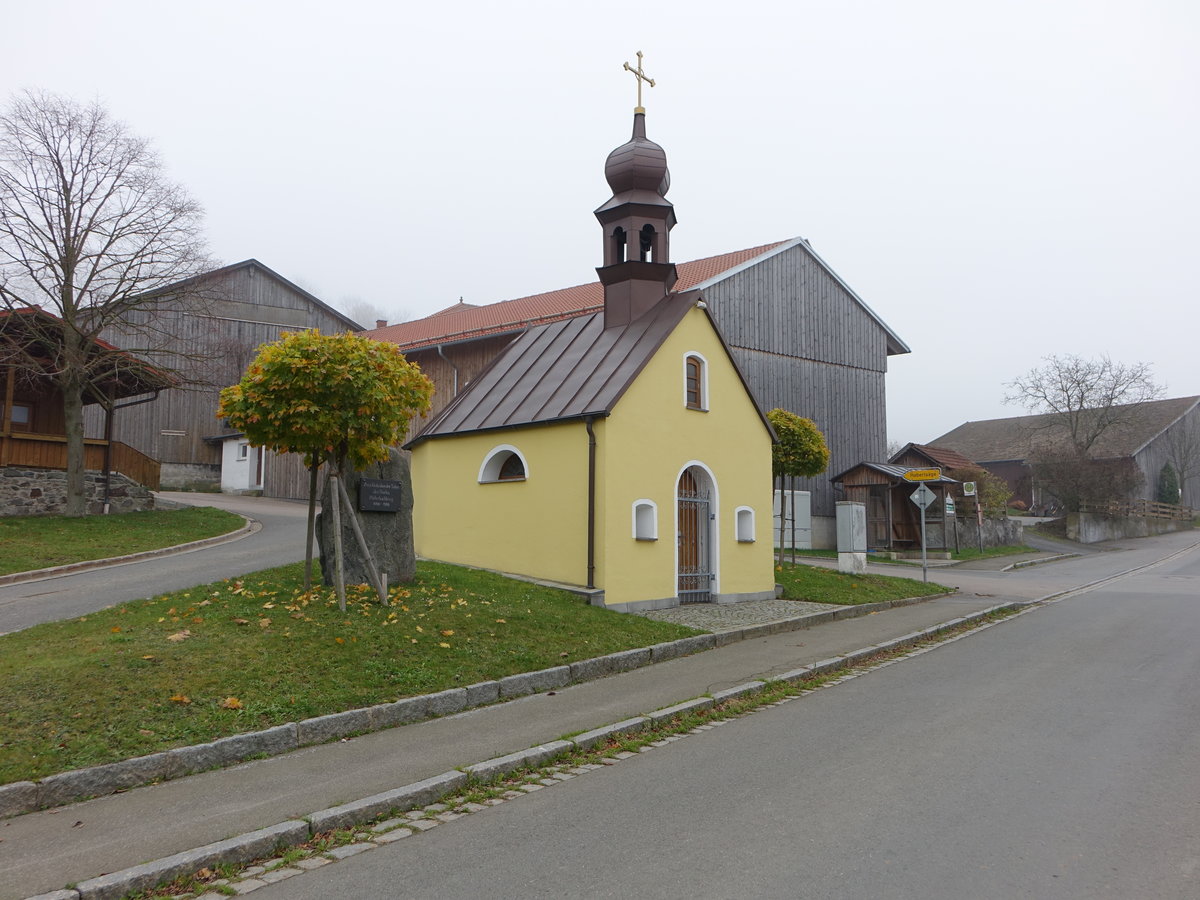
(817, 353)
(1156, 454)
(220, 334)
(789, 304)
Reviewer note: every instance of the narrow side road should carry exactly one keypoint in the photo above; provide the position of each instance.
(279, 541)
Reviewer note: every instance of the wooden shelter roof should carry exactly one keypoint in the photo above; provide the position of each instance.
(941, 456)
(29, 335)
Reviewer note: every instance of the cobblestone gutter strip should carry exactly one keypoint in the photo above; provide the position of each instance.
(94, 781)
(249, 527)
(262, 843)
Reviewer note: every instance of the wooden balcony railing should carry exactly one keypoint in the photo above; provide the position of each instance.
(49, 451)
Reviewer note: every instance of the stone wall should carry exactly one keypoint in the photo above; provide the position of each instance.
(1090, 528)
(1002, 532)
(42, 492)
(190, 477)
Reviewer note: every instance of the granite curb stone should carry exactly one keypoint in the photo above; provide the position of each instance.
(57, 895)
(237, 748)
(502, 765)
(534, 682)
(590, 739)
(420, 793)
(321, 729)
(741, 690)
(400, 712)
(243, 848)
(447, 702)
(18, 797)
(55, 790)
(668, 713)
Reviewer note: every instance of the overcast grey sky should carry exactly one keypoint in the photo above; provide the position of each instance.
(999, 182)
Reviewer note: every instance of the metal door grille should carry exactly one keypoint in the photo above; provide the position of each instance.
(695, 558)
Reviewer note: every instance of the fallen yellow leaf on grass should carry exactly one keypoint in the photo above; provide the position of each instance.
(148, 656)
(181, 699)
(116, 629)
(444, 644)
(179, 636)
(230, 703)
(448, 632)
(264, 623)
(241, 621)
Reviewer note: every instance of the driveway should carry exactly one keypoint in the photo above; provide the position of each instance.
(278, 540)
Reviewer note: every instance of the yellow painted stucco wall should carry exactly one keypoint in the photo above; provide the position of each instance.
(651, 437)
(538, 527)
(535, 527)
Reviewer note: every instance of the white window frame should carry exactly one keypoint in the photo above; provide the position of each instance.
(703, 407)
(489, 470)
(645, 520)
(743, 524)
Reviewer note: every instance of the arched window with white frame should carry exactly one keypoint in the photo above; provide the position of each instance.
(503, 463)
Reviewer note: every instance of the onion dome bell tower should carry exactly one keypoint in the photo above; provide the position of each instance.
(636, 223)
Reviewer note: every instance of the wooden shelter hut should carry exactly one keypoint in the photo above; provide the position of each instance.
(33, 433)
(893, 520)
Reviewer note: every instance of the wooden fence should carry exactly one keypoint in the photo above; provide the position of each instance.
(1139, 509)
(49, 451)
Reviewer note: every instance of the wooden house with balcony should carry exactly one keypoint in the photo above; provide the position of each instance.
(33, 430)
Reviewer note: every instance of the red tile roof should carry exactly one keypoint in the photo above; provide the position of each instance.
(465, 322)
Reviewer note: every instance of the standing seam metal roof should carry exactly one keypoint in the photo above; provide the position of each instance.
(563, 370)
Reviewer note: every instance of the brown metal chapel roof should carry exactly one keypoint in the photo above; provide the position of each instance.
(565, 371)
(1014, 438)
(463, 321)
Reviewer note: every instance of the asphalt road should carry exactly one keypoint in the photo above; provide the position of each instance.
(1051, 756)
(280, 540)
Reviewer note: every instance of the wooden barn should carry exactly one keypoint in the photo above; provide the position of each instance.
(210, 329)
(1157, 433)
(804, 339)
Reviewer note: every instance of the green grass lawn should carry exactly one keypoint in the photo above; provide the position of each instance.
(240, 655)
(38, 542)
(821, 585)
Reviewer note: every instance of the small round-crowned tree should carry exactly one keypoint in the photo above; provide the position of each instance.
(800, 451)
(333, 398)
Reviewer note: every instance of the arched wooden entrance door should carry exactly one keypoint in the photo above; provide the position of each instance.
(694, 536)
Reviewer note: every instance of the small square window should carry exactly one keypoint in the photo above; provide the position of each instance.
(21, 413)
(243, 451)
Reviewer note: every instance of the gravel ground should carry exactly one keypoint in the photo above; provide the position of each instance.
(728, 616)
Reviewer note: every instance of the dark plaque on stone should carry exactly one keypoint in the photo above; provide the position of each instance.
(377, 495)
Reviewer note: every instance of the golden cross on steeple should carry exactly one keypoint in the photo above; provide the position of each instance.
(640, 76)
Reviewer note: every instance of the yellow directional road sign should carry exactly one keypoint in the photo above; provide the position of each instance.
(923, 475)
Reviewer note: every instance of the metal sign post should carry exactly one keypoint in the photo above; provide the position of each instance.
(923, 496)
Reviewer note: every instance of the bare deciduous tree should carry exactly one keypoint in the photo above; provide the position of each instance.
(1080, 401)
(1084, 398)
(90, 227)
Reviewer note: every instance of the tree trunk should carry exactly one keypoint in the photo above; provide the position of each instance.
(312, 520)
(340, 578)
(782, 518)
(76, 497)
